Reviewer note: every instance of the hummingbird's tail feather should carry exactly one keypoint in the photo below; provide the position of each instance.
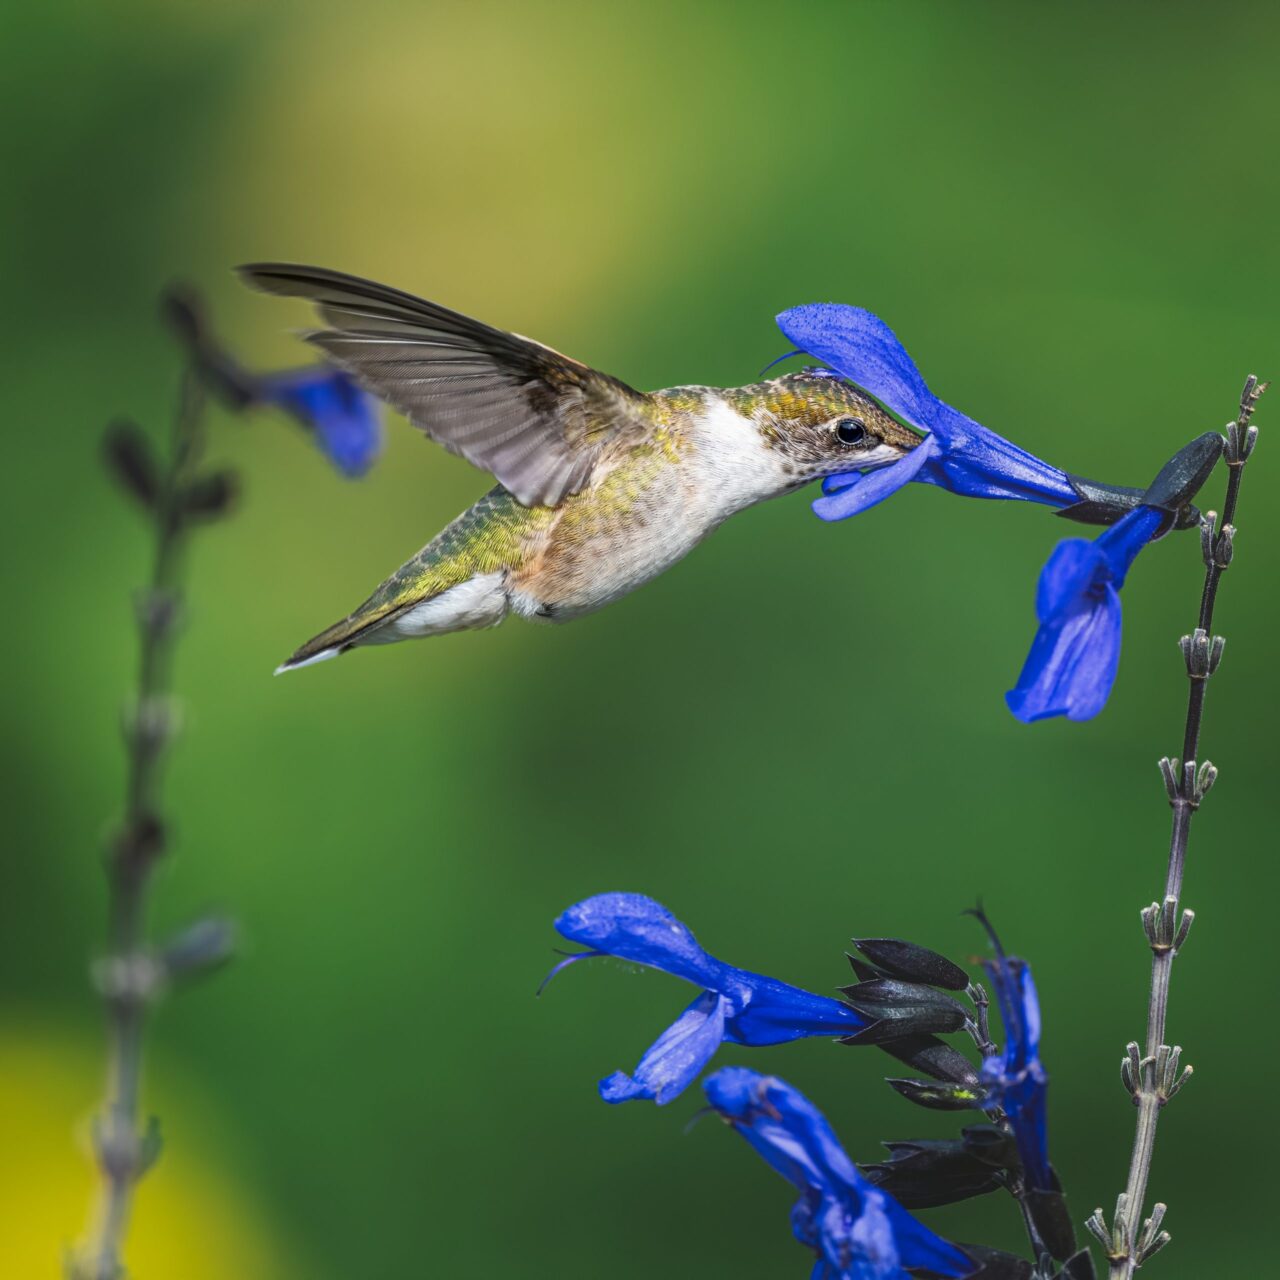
(294, 663)
(351, 631)
(457, 582)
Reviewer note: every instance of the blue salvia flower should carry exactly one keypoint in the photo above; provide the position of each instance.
(735, 1005)
(1074, 657)
(958, 454)
(1073, 662)
(857, 1231)
(345, 420)
(1015, 1079)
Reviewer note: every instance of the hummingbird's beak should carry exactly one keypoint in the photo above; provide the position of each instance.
(884, 454)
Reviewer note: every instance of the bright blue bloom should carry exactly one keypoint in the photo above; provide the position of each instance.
(735, 1005)
(858, 1231)
(1015, 1079)
(344, 419)
(958, 453)
(1073, 660)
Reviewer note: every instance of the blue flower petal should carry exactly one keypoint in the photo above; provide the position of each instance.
(1076, 652)
(973, 461)
(345, 420)
(1015, 1079)
(860, 1232)
(676, 1057)
(862, 348)
(766, 1011)
(978, 463)
(636, 928)
(1070, 571)
(858, 491)
(1072, 664)
(1124, 539)
(737, 1005)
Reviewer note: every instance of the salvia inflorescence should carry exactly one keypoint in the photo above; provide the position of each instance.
(907, 1001)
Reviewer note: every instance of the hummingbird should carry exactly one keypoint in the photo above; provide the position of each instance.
(600, 487)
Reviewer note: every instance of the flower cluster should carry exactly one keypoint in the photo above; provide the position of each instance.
(858, 1222)
(1073, 661)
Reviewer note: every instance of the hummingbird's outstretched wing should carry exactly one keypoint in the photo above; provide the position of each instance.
(537, 420)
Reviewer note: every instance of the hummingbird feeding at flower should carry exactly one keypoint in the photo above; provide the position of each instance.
(600, 487)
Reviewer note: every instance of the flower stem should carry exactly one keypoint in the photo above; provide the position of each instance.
(129, 977)
(1152, 1076)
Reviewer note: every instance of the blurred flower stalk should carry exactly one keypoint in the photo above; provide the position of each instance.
(1152, 1073)
(176, 494)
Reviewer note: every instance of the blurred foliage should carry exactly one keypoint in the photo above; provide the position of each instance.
(794, 736)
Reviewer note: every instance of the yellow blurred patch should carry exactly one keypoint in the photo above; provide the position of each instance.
(190, 1220)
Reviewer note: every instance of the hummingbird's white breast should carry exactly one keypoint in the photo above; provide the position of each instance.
(599, 550)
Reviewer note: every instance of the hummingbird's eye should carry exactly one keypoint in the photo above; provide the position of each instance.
(850, 430)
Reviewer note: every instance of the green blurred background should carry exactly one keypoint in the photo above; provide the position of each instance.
(1068, 213)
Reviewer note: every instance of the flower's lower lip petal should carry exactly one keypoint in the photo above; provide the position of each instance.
(875, 486)
(1071, 566)
(1072, 665)
(673, 1061)
(839, 483)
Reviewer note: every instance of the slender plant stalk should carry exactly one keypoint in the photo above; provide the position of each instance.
(131, 975)
(1153, 1074)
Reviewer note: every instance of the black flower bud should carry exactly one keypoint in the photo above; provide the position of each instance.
(129, 458)
(905, 960)
(209, 496)
(199, 948)
(932, 1057)
(1049, 1212)
(926, 1173)
(1182, 477)
(939, 1097)
(901, 1009)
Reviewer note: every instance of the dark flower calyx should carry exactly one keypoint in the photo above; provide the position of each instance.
(926, 1173)
(210, 495)
(913, 963)
(938, 1097)
(1181, 478)
(1049, 1212)
(1100, 503)
(903, 1008)
(131, 461)
(933, 1057)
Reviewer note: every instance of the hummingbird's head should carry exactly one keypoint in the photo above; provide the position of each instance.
(821, 425)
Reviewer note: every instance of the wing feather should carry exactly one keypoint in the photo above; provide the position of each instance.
(538, 420)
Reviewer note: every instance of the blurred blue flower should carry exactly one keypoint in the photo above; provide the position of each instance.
(958, 454)
(735, 1005)
(344, 419)
(1015, 1079)
(1073, 659)
(858, 1231)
